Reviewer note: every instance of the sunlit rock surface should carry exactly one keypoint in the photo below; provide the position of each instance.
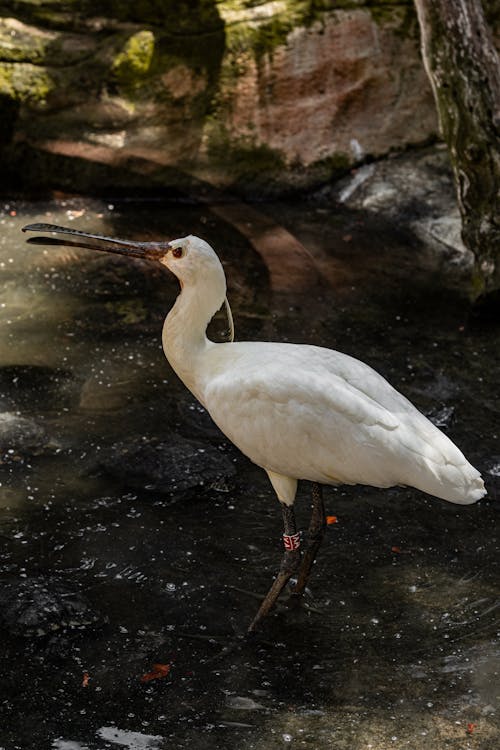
(35, 607)
(20, 437)
(262, 95)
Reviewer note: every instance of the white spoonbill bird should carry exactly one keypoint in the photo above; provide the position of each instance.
(298, 411)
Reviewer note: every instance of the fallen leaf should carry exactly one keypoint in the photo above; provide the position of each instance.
(85, 679)
(158, 671)
(471, 727)
(396, 549)
(331, 519)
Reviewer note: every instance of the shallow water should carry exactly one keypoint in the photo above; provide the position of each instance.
(398, 644)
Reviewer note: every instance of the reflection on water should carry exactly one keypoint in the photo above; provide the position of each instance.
(398, 646)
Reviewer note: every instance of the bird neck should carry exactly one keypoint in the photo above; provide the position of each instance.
(184, 336)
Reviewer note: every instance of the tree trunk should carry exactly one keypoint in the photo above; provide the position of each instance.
(464, 69)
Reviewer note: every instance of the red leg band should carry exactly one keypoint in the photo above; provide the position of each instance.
(292, 541)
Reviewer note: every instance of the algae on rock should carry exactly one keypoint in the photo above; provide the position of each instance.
(132, 65)
(259, 95)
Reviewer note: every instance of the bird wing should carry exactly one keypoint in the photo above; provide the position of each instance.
(285, 405)
(282, 374)
(311, 413)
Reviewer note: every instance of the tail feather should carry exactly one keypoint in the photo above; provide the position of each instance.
(435, 465)
(458, 484)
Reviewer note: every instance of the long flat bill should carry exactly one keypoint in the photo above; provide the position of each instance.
(148, 250)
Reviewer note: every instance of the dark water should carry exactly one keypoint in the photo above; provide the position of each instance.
(104, 574)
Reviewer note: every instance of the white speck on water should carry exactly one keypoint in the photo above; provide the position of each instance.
(130, 740)
(242, 703)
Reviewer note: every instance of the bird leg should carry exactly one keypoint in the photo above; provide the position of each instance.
(315, 534)
(289, 565)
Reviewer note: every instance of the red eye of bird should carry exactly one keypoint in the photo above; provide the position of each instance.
(177, 252)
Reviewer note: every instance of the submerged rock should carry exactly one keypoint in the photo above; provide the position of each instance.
(169, 467)
(195, 420)
(21, 437)
(416, 192)
(43, 605)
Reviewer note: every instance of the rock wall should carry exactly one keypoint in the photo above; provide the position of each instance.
(259, 96)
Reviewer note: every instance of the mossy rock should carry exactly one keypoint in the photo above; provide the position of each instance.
(21, 43)
(244, 158)
(250, 27)
(133, 64)
(25, 82)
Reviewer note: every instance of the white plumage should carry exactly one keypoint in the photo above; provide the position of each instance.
(298, 411)
(304, 412)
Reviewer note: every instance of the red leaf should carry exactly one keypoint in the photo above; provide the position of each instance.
(331, 519)
(471, 727)
(158, 671)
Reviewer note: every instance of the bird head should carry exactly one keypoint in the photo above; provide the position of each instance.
(193, 261)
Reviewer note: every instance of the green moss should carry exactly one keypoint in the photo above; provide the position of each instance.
(246, 28)
(401, 17)
(332, 166)
(140, 64)
(19, 45)
(24, 82)
(478, 284)
(132, 65)
(243, 157)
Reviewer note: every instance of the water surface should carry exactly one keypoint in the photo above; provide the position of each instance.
(398, 646)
